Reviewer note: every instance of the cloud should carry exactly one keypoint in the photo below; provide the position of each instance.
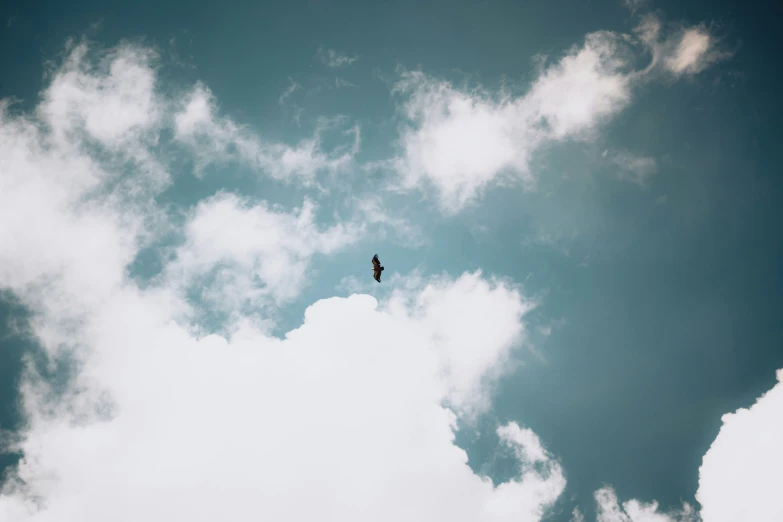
(609, 510)
(460, 141)
(351, 416)
(439, 303)
(740, 474)
(226, 427)
(292, 88)
(92, 125)
(455, 141)
(217, 140)
(676, 50)
(335, 59)
(109, 99)
(690, 53)
(113, 104)
(340, 82)
(634, 5)
(247, 256)
(240, 255)
(636, 169)
(95, 143)
(371, 210)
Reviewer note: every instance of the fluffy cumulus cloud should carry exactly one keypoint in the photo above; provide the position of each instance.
(244, 255)
(351, 416)
(740, 475)
(342, 420)
(465, 368)
(460, 141)
(111, 100)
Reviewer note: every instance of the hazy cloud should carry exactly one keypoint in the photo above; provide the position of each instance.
(334, 59)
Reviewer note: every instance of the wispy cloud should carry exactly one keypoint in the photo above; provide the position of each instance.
(217, 139)
(339, 82)
(371, 210)
(676, 50)
(459, 141)
(635, 5)
(175, 56)
(293, 86)
(636, 169)
(334, 59)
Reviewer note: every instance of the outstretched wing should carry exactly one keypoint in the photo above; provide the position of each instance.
(376, 268)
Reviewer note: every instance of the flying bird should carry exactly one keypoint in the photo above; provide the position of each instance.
(376, 268)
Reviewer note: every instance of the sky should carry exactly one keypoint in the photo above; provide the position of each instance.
(576, 204)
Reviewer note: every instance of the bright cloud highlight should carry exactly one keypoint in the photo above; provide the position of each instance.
(461, 141)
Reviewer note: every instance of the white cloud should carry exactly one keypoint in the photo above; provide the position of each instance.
(247, 255)
(71, 219)
(349, 417)
(343, 419)
(676, 50)
(457, 142)
(335, 59)
(215, 140)
(455, 334)
(690, 52)
(461, 141)
(609, 510)
(542, 480)
(739, 478)
(242, 255)
(583, 89)
(345, 413)
(112, 104)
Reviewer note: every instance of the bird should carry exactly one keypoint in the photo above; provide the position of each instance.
(376, 268)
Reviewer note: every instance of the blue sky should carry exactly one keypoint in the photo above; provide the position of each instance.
(576, 205)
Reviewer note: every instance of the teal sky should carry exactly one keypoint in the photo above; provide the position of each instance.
(662, 300)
